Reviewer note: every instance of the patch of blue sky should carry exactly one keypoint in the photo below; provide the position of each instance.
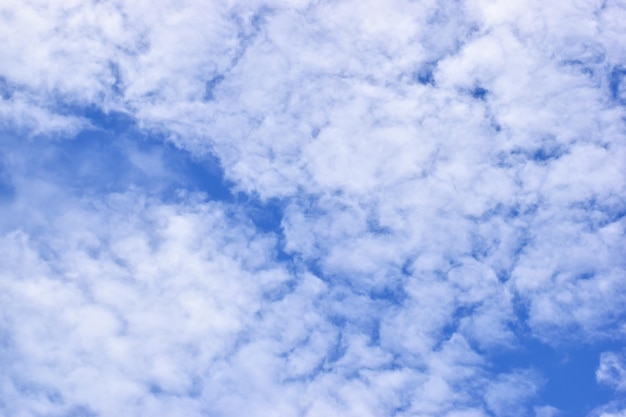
(479, 93)
(7, 188)
(6, 90)
(597, 214)
(210, 86)
(617, 84)
(112, 155)
(426, 74)
(453, 323)
(116, 142)
(568, 370)
(393, 293)
(267, 215)
(117, 87)
(548, 150)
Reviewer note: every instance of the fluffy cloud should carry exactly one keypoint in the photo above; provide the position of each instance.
(142, 297)
(448, 181)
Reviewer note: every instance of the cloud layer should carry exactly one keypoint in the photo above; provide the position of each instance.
(304, 208)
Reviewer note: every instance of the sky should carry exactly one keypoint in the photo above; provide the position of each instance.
(313, 208)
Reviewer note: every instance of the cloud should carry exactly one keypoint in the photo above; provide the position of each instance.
(135, 295)
(307, 208)
(546, 411)
(507, 394)
(612, 370)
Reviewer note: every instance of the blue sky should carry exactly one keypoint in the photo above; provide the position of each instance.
(313, 208)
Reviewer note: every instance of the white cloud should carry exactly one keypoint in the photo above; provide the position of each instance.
(140, 296)
(612, 370)
(442, 167)
(507, 394)
(610, 410)
(546, 411)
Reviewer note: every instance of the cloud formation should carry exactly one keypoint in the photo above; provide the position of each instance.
(314, 208)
